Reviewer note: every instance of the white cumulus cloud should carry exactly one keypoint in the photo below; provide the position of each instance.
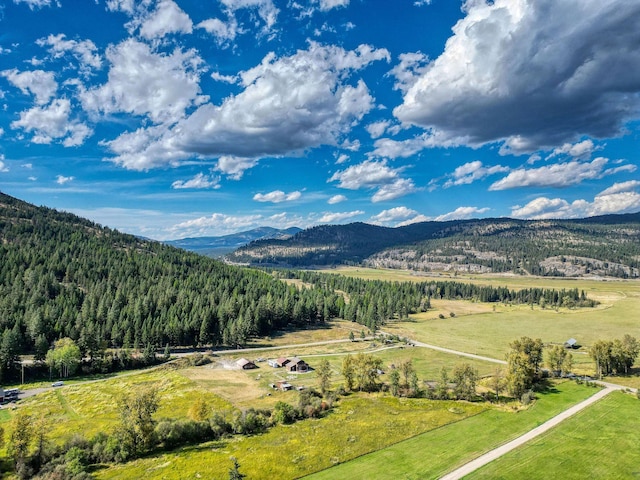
(377, 129)
(288, 104)
(534, 74)
(582, 149)
(471, 172)
(462, 213)
(558, 175)
(619, 198)
(336, 199)
(393, 215)
(53, 122)
(226, 31)
(135, 71)
(167, 18)
(375, 175)
(277, 196)
(219, 223)
(42, 85)
(85, 51)
(330, 4)
(62, 180)
(36, 4)
(339, 216)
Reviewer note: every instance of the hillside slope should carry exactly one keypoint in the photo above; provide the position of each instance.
(607, 246)
(64, 276)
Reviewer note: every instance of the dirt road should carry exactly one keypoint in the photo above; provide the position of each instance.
(507, 447)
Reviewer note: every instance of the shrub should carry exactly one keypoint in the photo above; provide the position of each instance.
(283, 413)
(527, 397)
(251, 421)
(220, 426)
(173, 433)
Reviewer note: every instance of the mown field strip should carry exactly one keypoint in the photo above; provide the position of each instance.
(437, 452)
(599, 442)
(513, 444)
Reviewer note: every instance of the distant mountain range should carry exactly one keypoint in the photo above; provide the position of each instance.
(606, 245)
(218, 246)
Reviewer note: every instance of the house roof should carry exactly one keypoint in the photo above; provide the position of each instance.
(243, 361)
(296, 360)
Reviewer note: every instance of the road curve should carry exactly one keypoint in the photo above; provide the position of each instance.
(507, 447)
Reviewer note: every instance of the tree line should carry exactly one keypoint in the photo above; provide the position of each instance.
(374, 302)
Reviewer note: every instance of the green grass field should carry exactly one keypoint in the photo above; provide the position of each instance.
(437, 452)
(487, 329)
(358, 425)
(599, 442)
(89, 408)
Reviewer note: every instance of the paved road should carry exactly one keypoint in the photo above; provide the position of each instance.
(549, 424)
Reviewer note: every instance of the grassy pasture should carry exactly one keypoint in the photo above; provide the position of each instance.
(427, 363)
(487, 329)
(599, 442)
(489, 334)
(358, 425)
(90, 408)
(439, 451)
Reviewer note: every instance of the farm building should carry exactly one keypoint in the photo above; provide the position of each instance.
(295, 364)
(284, 386)
(292, 364)
(278, 362)
(246, 364)
(571, 343)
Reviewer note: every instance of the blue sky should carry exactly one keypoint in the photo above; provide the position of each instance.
(177, 118)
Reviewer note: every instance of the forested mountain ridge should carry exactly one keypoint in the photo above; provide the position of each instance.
(64, 276)
(606, 245)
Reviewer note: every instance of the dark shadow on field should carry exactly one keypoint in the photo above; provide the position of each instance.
(545, 387)
(261, 342)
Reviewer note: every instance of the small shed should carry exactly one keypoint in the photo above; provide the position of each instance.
(284, 385)
(246, 364)
(296, 364)
(273, 362)
(571, 343)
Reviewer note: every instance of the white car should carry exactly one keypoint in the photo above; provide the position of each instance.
(57, 384)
